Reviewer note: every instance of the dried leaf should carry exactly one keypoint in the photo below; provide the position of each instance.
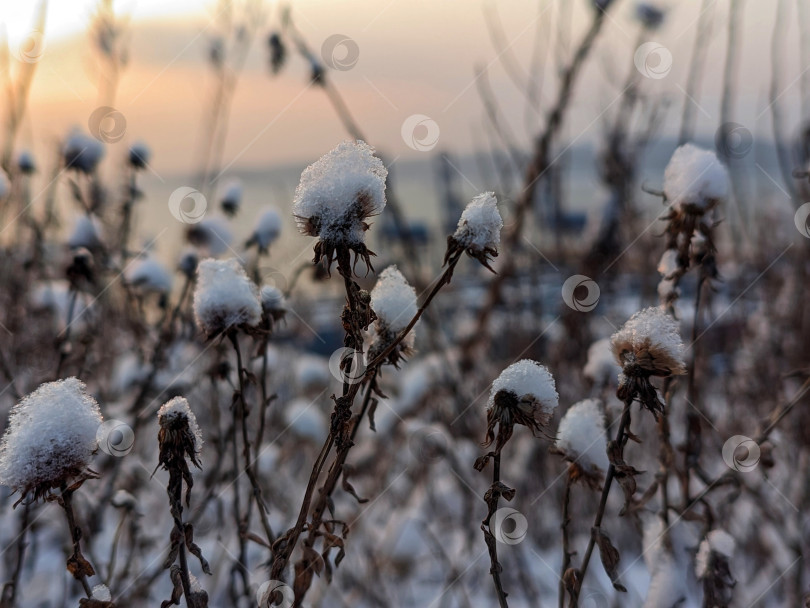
(610, 557)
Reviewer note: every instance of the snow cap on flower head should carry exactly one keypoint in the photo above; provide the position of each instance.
(394, 302)
(695, 180)
(478, 231)
(50, 438)
(225, 298)
(582, 439)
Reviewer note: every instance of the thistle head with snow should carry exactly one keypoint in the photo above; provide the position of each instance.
(713, 568)
(478, 232)
(335, 197)
(225, 299)
(695, 183)
(266, 230)
(524, 393)
(582, 441)
(50, 439)
(648, 344)
(393, 300)
(179, 436)
(274, 305)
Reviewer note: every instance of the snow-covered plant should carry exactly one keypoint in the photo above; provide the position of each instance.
(695, 180)
(26, 163)
(648, 344)
(274, 306)
(139, 155)
(394, 302)
(712, 566)
(86, 233)
(231, 198)
(582, 440)
(266, 230)
(213, 234)
(50, 438)
(187, 263)
(225, 298)
(479, 230)
(82, 153)
(180, 442)
(600, 367)
(149, 275)
(335, 197)
(524, 393)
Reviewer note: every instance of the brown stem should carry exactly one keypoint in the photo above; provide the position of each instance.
(621, 439)
(9, 598)
(495, 568)
(566, 519)
(76, 536)
(249, 471)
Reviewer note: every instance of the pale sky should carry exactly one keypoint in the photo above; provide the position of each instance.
(415, 57)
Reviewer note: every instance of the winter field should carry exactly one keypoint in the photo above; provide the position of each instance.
(546, 346)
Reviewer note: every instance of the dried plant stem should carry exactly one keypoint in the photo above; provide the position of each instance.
(177, 515)
(492, 544)
(566, 544)
(621, 439)
(242, 413)
(80, 563)
(9, 596)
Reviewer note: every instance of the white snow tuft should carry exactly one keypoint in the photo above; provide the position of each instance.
(51, 435)
(479, 227)
(178, 408)
(582, 436)
(527, 378)
(86, 233)
(327, 196)
(267, 228)
(601, 366)
(695, 177)
(272, 299)
(224, 297)
(212, 234)
(668, 265)
(149, 274)
(393, 299)
(102, 593)
(716, 541)
(650, 334)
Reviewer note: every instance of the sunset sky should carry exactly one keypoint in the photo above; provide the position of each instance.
(415, 57)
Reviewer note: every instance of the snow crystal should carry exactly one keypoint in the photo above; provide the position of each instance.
(716, 541)
(82, 152)
(668, 265)
(267, 229)
(149, 274)
(178, 408)
(582, 436)
(479, 227)
(224, 297)
(650, 338)
(527, 378)
(102, 593)
(86, 233)
(393, 299)
(601, 367)
(695, 177)
(330, 189)
(51, 436)
(212, 234)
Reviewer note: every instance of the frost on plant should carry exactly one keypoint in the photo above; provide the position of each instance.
(266, 230)
(649, 344)
(50, 439)
(695, 180)
(524, 393)
(274, 305)
(712, 567)
(394, 302)
(225, 298)
(582, 440)
(601, 367)
(479, 230)
(149, 275)
(335, 197)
